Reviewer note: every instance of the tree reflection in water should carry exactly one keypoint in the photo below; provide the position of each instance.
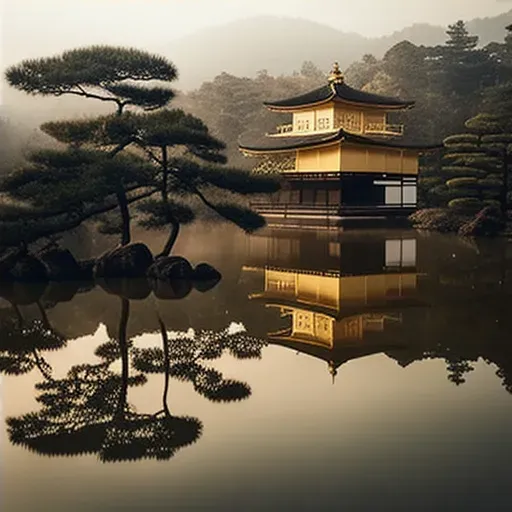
(23, 341)
(88, 411)
(444, 301)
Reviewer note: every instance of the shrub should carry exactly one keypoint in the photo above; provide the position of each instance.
(490, 183)
(443, 220)
(462, 183)
(430, 182)
(460, 170)
(493, 203)
(466, 204)
(463, 138)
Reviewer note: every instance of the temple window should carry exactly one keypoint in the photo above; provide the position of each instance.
(334, 197)
(350, 121)
(410, 194)
(303, 125)
(324, 123)
(308, 196)
(295, 197)
(393, 195)
(400, 253)
(321, 197)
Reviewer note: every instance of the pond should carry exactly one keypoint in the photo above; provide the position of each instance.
(355, 370)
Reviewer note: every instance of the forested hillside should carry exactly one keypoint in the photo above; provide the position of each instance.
(447, 82)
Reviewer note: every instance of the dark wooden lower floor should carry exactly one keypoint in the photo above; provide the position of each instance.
(341, 195)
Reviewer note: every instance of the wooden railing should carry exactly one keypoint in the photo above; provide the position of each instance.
(384, 129)
(329, 210)
(284, 128)
(370, 128)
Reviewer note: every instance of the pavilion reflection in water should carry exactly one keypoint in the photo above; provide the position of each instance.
(344, 301)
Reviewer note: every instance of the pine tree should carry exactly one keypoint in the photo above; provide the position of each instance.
(188, 166)
(501, 54)
(126, 155)
(477, 166)
(109, 74)
(459, 39)
(461, 69)
(106, 73)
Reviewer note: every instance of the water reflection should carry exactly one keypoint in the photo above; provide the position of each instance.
(336, 297)
(345, 301)
(410, 296)
(88, 411)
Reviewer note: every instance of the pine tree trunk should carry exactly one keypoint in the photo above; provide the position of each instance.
(167, 366)
(125, 363)
(171, 240)
(121, 197)
(175, 225)
(125, 216)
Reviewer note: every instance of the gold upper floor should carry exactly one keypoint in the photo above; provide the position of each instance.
(335, 116)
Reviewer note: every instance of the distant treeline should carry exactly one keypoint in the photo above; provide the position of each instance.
(447, 82)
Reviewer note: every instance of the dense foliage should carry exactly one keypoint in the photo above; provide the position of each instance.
(171, 163)
(111, 162)
(446, 81)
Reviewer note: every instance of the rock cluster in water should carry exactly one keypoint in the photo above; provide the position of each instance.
(130, 271)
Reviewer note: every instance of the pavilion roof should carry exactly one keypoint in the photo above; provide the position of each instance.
(339, 354)
(341, 92)
(265, 143)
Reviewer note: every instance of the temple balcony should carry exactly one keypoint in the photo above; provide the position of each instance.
(384, 129)
(284, 129)
(379, 129)
(287, 130)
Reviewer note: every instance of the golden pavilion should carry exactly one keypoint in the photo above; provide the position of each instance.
(340, 156)
(352, 300)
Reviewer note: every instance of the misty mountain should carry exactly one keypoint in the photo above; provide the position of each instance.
(281, 45)
(242, 48)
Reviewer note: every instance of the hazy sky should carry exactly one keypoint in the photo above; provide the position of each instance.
(36, 27)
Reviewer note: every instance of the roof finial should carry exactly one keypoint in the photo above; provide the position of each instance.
(336, 75)
(333, 370)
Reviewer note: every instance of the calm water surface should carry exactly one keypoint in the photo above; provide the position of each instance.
(361, 371)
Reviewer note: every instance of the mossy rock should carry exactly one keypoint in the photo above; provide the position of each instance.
(131, 289)
(60, 291)
(22, 294)
(171, 277)
(18, 265)
(61, 265)
(87, 269)
(132, 260)
(173, 289)
(205, 277)
(171, 268)
(8, 259)
(29, 269)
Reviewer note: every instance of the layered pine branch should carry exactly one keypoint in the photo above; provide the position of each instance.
(145, 161)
